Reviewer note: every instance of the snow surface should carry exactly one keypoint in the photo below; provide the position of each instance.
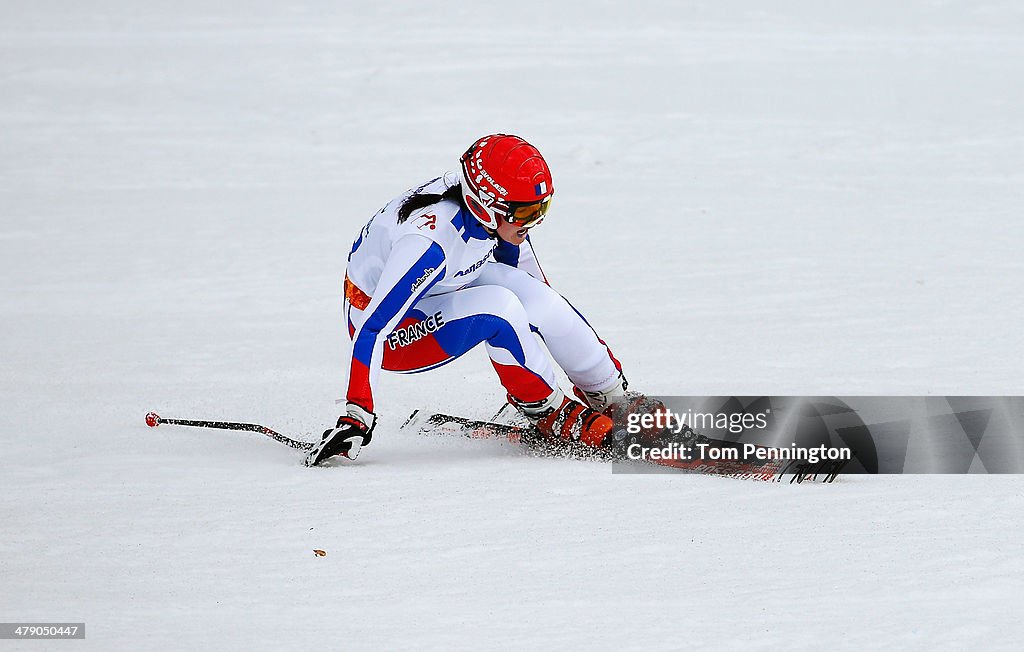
(804, 198)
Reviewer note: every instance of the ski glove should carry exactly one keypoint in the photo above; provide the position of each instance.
(347, 438)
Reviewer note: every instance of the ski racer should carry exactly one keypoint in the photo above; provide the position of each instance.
(449, 265)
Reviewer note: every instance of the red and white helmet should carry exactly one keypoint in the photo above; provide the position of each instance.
(504, 176)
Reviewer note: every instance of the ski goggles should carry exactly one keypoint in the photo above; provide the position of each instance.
(527, 215)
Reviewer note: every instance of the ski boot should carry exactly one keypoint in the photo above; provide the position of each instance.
(560, 417)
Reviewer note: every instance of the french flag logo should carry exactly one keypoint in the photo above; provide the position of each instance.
(541, 188)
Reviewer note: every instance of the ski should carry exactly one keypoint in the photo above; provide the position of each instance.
(729, 462)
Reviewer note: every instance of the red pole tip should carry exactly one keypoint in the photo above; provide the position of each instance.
(152, 419)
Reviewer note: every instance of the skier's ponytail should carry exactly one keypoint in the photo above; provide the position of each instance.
(422, 200)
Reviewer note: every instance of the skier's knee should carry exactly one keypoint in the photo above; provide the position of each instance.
(507, 307)
(551, 313)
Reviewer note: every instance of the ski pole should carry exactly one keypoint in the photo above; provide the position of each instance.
(153, 420)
